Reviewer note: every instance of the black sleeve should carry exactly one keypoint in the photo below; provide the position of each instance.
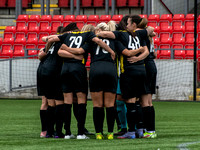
(143, 33)
(90, 36)
(62, 37)
(87, 47)
(117, 34)
(119, 47)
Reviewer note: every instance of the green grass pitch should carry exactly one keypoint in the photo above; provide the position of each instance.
(176, 123)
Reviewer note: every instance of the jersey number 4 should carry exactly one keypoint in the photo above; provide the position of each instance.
(75, 40)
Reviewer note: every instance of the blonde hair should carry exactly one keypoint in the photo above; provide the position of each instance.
(110, 26)
(88, 27)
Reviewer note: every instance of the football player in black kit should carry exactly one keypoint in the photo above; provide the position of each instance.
(103, 79)
(151, 70)
(132, 79)
(74, 78)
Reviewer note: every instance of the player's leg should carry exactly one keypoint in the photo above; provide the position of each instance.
(50, 117)
(121, 112)
(139, 120)
(59, 115)
(109, 101)
(82, 104)
(68, 100)
(151, 81)
(98, 113)
(43, 116)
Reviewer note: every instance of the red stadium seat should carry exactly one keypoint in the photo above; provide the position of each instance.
(157, 29)
(34, 18)
(7, 51)
(189, 54)
(31, 46)
(88, 61)
(189, 46)
(8, 41)
(12, 3)
(189, 23)
(9, 32)
(166, 17)
(32, 42)
(177, 47)
(93, 19)
(18, 51)
(63, 3)
(81, 20)
(46, 29)
(117, 18)
(178, 38)
(23, 18)
(165, 38)
(20, 25)
(164, 54)
(105, 18)
(21, 41)
(143, 16)
(121, 3)
(178, 20)
(165, 28)
(156, 41)
(45, 21)
(179, 54)
(132, 3)
(98, 3)
(189, 38)
(86, 3)
(56, 22)
(3, 3)
(41, 46)
(1, 41)
(42, 35)
(68, 19)
(153, 20)
(179, 29)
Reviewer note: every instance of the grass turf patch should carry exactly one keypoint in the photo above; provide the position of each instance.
(176, 123)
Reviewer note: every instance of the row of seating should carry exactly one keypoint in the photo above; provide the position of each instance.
(101, 3)
(12, 3)
(178, 54)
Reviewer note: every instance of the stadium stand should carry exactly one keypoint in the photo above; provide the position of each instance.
(173, 32)
(12, 3)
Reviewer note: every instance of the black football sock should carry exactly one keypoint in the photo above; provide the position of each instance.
(146, 117)
(139, 116)
(131, 116)
(110, 117)
(67, 118)
(117, 120)
(75, 110)
(59, 118)
(51, 120)
(98, 118)
(152, 121)
(81, 118)
(43, 119)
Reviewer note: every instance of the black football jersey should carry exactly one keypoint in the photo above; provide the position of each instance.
(99, 54)
(52, 62)
(76, 40)
(131, 43)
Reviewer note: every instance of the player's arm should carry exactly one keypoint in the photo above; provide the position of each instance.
(76, 51)
(130, 53)
(104, 46)
(42, 54)
(106, 34)
(66, 54)
(46, 38)
(142, 56)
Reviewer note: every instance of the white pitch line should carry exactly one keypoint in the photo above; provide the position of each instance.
(183, 146)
